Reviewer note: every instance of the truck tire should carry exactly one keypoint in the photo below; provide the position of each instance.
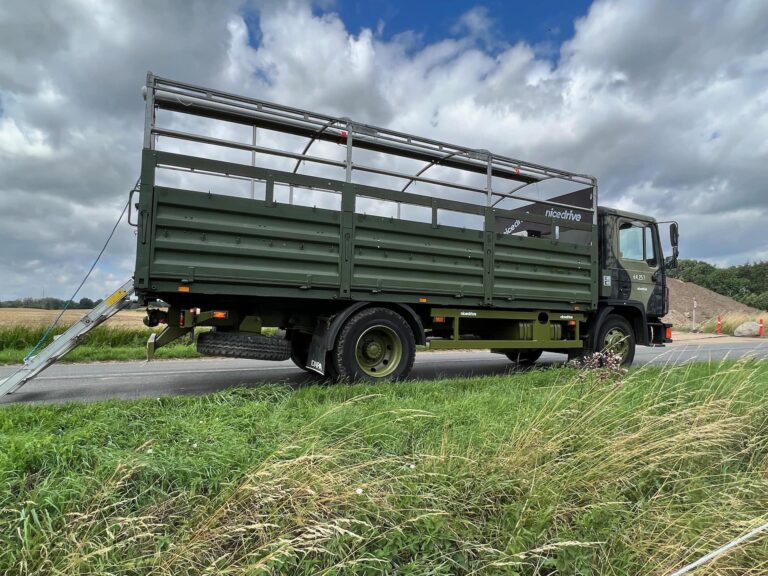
(243, 345)
(374, 345)
(616, 335)
(524, 357)
(331, 375)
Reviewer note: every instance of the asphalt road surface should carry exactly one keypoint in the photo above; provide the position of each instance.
(103, 380)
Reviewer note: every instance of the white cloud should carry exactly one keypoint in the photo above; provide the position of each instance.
(475, 21)
(15, 143)
(667, 103)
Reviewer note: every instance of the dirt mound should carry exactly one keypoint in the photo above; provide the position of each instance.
(708, 304)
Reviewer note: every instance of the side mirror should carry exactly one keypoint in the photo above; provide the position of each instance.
(674, 237)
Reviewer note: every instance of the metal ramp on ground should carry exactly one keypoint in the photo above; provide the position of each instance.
(68, 340)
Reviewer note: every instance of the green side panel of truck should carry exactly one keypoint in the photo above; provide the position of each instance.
(215, 244)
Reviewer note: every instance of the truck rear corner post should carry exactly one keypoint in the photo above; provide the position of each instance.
(359, 243)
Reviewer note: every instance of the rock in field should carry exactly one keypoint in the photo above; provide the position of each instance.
(750, 329)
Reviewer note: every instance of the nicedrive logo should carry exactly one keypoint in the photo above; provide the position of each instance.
(563, 214)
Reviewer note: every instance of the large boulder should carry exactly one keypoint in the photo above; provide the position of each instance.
(750, 329)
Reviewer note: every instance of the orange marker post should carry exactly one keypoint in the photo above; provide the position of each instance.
(761, 332)
(719, 328)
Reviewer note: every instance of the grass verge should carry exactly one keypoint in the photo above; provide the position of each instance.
(728, 323)
(542, 472)
(101, 344)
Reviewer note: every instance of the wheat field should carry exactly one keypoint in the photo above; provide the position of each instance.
(35, 318)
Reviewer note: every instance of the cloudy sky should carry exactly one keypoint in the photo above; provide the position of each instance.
(665, 102)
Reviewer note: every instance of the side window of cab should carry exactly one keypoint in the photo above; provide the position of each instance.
(636, 243)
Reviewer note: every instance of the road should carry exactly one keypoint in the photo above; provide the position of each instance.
(104, 380)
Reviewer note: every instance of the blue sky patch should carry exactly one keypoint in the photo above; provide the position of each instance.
(544, 22)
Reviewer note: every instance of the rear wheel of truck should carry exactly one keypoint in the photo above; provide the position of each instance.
(524, 357)
(616, 336)
(374, 345)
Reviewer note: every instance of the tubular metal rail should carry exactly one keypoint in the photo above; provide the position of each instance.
(68, 340)
(187, 99)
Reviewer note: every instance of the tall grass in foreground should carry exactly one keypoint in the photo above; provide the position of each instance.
(544, 472)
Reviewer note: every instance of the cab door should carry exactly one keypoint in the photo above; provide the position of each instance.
(639, 255)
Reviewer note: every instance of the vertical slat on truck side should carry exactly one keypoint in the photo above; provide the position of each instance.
(489, 256)
(145, 219)
(346, 240)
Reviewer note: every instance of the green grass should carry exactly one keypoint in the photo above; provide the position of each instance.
(728, 323)
(542, 472)
(103, 343)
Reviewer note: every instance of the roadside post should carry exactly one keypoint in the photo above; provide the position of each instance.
(719, 329)
(761, 331)
(693, 317)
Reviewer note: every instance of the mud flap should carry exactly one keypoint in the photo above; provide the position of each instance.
(318, 347)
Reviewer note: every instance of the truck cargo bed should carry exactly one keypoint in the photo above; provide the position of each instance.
(199, 242)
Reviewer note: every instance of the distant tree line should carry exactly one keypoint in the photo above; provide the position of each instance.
(747, 283)
(49, 303)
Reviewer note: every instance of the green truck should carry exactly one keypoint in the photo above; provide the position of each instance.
(360, 243)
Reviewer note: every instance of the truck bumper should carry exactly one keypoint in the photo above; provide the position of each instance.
(659, 333)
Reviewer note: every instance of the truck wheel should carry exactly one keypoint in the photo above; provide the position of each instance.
(243, 345)
(374, 345)
(616, 335)
(524, 357)
(331, 375)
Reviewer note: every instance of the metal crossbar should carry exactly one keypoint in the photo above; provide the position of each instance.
(188, 99)
(68, 340)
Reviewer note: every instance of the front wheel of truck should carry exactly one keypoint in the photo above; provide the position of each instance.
(374, 345)
(616, 336)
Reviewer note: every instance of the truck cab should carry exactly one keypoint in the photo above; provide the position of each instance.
(633, 282)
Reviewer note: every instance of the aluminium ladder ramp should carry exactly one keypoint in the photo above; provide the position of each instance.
(68, 340)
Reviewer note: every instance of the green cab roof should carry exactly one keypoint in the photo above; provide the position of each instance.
(603, 210)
